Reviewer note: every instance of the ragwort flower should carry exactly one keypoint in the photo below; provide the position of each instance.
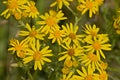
(71, 34)
(32, 33)
(98, 44)
(38, 55)
(56, 35)
(51, 19)
(86, 74)
(88, 5)
(18, 47)
(92, 60)
(31, 9)
(71, 52)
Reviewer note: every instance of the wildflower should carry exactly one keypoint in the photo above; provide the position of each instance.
(68, 63)
(98, 44)
(31, 9)
(18, 47)
(93, 31)
(71, 52)
(71, 34)
(86, 74)
(65, 70)
(32, 33)
(67, 77)
(92, 60)
(60, 3)
(86, 5)
(51, 19)
(56, 35)
(103, 75)
(14, 7)
(38, 55)
(104, 65)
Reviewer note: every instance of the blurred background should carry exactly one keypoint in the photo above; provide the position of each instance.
(104, 19)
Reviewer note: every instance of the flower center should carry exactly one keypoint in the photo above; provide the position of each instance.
(37, 56)
(71, 52)
(57, 34)
(18, 47)
(51, 21)
(89, 77)
(96, 45)
(92, 57)
(33, 33)
(13, 4)
(89, 5)
(72, 36)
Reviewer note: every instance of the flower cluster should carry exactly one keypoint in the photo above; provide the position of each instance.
(19, 9)
(79, 53)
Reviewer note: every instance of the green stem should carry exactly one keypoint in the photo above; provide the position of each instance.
(30, 75)
(77, 19)
(71, 10)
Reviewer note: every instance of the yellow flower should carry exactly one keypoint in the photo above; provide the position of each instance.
(51, 19)
(65, 70)
(104, 65)
(86, 74)
(71, 52)
(98, 44)
(14, 7)
(56, 35)
(60, 3)
(38, 55)
(32, 33)
(88, 29)
(71, 34)
(92, 60)
(86, 5)
(31, 9)
(67, 76)
(103, 75)
(18, 47)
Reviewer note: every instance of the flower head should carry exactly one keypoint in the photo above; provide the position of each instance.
(60, 3)
(71, 52)
(18, 47)
(86, 74)
(93, 31)
(56, 35)
(98, 44)
(88, 5)
(51, 19)
(38, 55)
(71, 34)
(32, 33)
(31, 9)
(92, 60)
